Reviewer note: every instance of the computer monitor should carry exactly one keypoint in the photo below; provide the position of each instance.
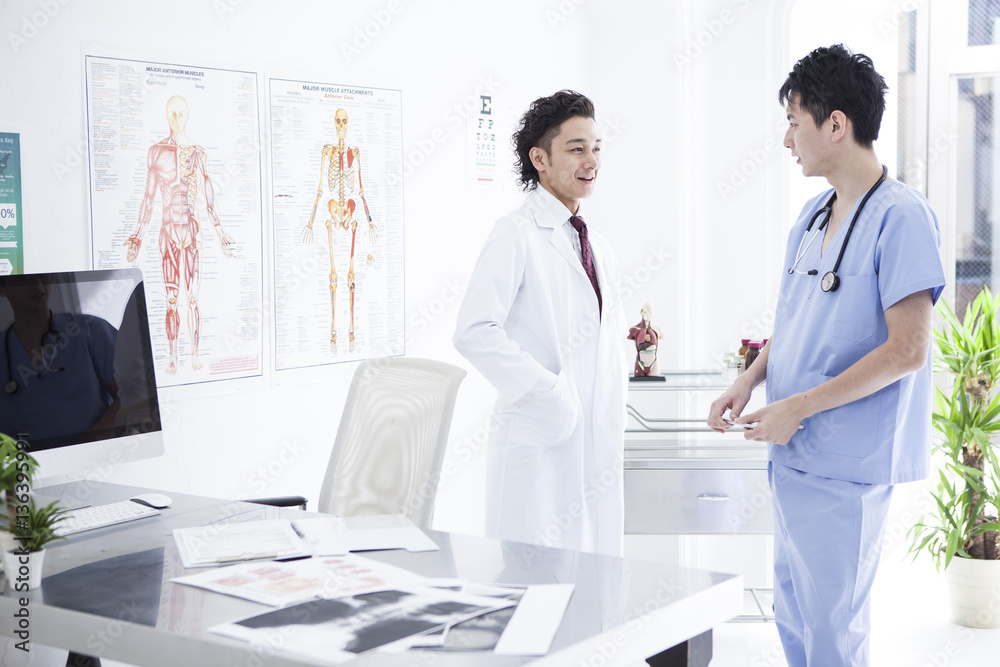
(77, 376)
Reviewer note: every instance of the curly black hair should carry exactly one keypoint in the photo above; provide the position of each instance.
(833, 78)
(540, 124)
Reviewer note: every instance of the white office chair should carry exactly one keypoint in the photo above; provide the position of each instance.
(391, 441)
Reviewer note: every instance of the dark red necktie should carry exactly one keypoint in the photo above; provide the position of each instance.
(588, 257)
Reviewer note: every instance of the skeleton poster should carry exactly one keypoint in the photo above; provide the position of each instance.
(175, 188)
(337, 202)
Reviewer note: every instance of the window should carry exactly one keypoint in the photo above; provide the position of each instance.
(963, 164)
(983, 26)
(976, 171)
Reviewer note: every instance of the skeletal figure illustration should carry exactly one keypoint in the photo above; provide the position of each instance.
(337, 167)
(176, 166)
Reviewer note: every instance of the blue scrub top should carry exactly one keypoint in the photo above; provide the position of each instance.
(71, 397)
(883, 438)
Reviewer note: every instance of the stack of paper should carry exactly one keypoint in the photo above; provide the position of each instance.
(335, 606)
(330, 536)
(220, 544)
(282, 583)
(225, 543)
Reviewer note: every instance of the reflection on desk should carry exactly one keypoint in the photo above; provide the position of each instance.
(108, 593)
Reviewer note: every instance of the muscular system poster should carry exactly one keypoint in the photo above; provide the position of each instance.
(337, 202)
(175, 189)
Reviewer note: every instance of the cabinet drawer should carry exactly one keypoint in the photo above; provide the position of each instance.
(693, 501)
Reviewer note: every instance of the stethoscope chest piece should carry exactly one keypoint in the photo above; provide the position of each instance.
(830, 282)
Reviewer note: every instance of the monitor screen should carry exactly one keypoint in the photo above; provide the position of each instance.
(77, 378)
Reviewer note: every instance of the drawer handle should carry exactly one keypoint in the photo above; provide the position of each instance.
(712, 496)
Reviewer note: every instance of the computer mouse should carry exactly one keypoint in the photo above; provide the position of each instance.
(156, 500)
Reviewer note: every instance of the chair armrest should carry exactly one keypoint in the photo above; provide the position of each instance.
(279, 501)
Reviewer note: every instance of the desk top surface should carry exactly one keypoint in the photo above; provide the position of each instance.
(108, 593)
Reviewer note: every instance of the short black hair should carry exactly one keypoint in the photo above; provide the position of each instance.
(538, 127)
(833, 78)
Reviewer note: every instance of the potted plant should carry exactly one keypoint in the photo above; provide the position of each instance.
(962, 531)
(23, 526)
(33, 530)
(17, 469)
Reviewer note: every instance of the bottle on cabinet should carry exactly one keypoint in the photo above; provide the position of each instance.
(742, 354)
(753, 352)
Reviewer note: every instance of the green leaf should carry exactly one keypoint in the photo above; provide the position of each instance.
(951, 548)
(966, 347)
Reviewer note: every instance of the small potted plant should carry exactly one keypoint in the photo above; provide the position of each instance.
(25, 529)
(17, 469)
(962, 531)
(33, 530)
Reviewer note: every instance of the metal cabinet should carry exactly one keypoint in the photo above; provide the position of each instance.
(692, 494)
(695, 501)
(682, 477)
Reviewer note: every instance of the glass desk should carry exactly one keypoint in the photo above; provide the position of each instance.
(107, 593)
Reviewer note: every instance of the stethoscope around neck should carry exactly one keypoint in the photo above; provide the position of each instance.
(830, 281)
(11, 386)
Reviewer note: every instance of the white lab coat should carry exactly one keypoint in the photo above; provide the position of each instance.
(530, 319)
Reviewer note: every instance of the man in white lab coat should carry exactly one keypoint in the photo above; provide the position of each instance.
(549, 338)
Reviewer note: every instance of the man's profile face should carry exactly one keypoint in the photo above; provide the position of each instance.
(177, 114)
(569, 168)
(804, 139)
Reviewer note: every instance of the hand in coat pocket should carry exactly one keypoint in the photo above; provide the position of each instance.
(547, 417)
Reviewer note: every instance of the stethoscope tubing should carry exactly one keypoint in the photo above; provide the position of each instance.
(830, 282)
(11, 386)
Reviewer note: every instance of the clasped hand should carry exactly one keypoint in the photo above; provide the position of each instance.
(775, 423)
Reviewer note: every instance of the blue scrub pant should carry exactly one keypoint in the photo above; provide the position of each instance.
(827, 543)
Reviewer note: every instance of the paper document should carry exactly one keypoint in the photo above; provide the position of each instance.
(538, 616)
(225, 543)
(282, 583)
(335, 631)
(330, 536)
(479, 634)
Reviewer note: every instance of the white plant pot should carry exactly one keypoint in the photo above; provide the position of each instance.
(22, 570)
(7, 543)
(974, 590)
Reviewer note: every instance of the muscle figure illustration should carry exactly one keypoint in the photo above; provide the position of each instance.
(177, 167)
(339, 165)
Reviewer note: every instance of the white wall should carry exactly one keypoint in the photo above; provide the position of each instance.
(685, 93)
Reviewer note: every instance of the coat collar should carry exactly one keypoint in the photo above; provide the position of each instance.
(551, 213)
(546, 209)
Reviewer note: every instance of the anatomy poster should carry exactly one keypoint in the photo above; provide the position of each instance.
(11, 212)
(175, 188)
(337, 199)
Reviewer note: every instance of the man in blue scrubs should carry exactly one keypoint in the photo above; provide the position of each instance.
(848, 366)
(58, 368)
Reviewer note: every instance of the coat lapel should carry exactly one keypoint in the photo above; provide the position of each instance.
(563, 244)
(550, 213)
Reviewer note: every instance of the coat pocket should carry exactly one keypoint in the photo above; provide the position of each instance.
(546, 417)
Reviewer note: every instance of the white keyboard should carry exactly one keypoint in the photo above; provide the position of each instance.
(99, 516)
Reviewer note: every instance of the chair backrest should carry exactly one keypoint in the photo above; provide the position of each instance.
(391, 441)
